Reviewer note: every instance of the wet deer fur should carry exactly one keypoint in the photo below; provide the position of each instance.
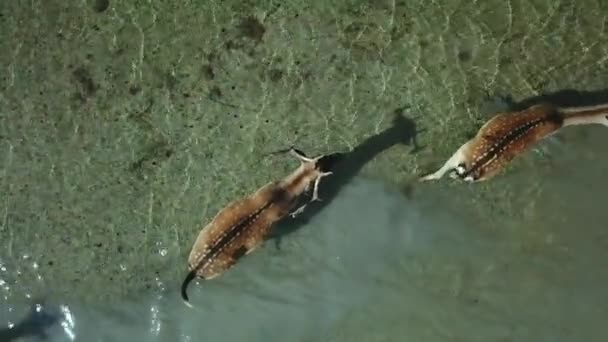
(241, 226)
(510, 134)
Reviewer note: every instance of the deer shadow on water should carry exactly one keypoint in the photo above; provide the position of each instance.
(561, 98)
(402, 131)
(35, 324)
(496, 104)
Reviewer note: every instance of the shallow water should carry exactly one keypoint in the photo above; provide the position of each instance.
(375, 265)
(124, 126)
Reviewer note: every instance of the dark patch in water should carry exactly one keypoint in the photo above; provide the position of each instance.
(464, 56)
(215, 93)
(35, 325)
(563, 98)
(101, 5)
(208, 72)
(252, 28)
(275, 75)
(134, 89)
(151, 158)
(83, 77)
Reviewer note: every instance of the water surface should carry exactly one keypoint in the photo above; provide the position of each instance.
(124, 127)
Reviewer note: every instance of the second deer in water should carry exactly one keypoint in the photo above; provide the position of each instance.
(508, 135)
